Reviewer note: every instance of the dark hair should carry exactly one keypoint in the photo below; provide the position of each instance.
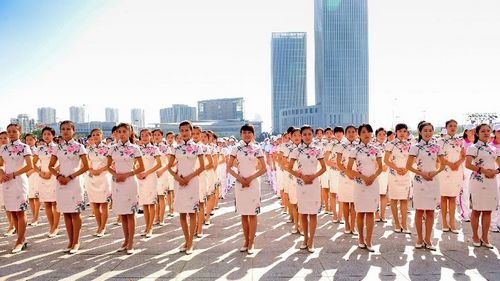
(169, 133)
(18, 127)
(389, 133)
(305, 127)
(67, 122)
(3, 133)
(52, 131)
(144, 130)
(197, 128)
(114, 129)
(450, 121)
(367, 126)
(328, 129)
(338, 129)
(319, 129)
(186, 123)
(95, 129)
(215, 136)
(476, 134)
(296, 130)
(379, 130)
(421, 126)
(247, 128)
(157, 130)
(289, 130)
(128, 127)
(350, 127)
(30, 135)
(401, 126)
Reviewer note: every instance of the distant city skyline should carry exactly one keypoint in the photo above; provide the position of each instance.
(424, 62)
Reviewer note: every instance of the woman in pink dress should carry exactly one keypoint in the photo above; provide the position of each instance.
(73, 163)
(203, 178)
(33, 179)
(47, 183)
(452, 178)
(367, 159)
(4, 139)
(124, 164)
(291, 181)
(483, 159)
(162, 175)
(426, 194)
(148, 180)
(250, 166)
(380, 143)
(15, 161)
(399, 181)
(99, 181)
(211, 157)
(190, 164)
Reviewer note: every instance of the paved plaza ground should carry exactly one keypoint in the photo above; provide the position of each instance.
(277, 255)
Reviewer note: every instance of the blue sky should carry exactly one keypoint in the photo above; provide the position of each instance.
(427, 58)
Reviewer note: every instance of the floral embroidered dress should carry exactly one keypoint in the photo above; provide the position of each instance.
(483, 191)
(208, 150)
(125, 194)
(33, 180)
(98, 187)
(46, 188)
(163, 180)
(383, 178)
(15, 191)
(69, 197)
(187, 197)
(281, 175)
(366, 198)
(148, 187)
(291, 181)
(399, 186)
(346, 185)
(451, 181)
(308, 195)
(333, 173)
(426, 194)
(247, 199)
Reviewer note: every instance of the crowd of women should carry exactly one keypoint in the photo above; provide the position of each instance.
(350, 173)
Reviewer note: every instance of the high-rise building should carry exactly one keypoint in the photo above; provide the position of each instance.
(111, 114)
(341, 61)
(137, 117)
(221, 109)
(288, 73)
(46, 115)
(77, 114)
(25, 121)
(177, 113)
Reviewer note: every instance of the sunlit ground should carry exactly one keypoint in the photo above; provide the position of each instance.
(277, 255)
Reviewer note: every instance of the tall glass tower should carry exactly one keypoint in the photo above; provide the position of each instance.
(288, 73)
(341, 61)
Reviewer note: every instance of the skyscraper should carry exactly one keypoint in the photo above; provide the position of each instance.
(77, 114)
(177, 113)
(137, 117)
(111, 114)
(221, 109)
(341, 61)
(46, 115)
(288, 73)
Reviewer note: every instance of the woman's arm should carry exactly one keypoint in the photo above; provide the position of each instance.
(83, 167)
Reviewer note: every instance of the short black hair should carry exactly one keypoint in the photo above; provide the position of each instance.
(401, 126)
(389, 133)
(319, 129)
(365, 125)
(52, 131)
(349, 127)
(379, 130)
(169, 133)
(328, 129)
(247, 128)
(114, 129)
(450, 121)
(186, 123)
(67, 122)
(306, 127)
(338, 129)
(157, 130)
(289, 130)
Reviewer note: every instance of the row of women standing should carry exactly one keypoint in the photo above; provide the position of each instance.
(123, 173)
(365, 172)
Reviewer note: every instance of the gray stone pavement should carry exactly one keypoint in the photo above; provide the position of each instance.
(277, 256)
